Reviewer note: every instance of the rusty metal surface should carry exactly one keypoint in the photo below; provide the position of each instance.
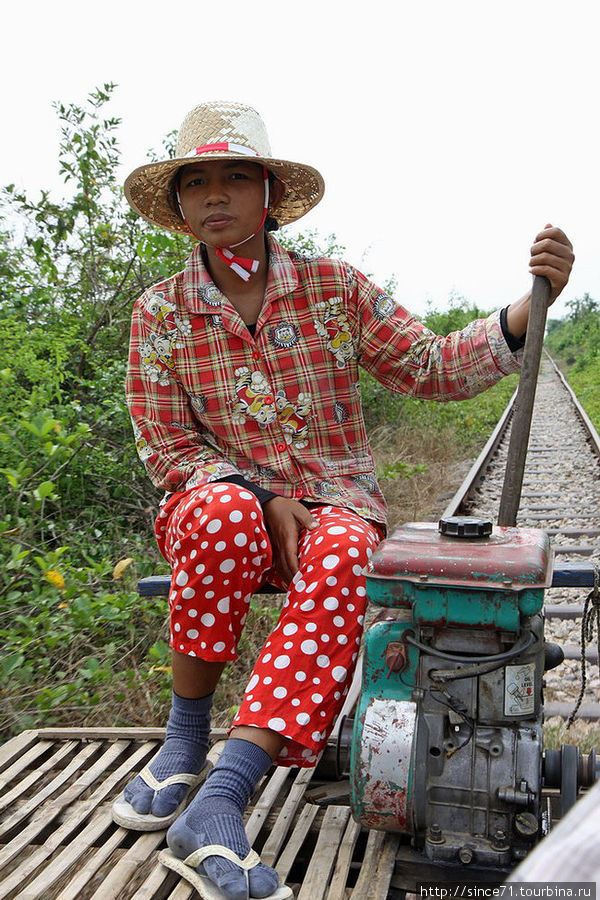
(510, 559)
(384, 764)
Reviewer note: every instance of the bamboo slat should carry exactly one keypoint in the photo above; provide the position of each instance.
(279, 831)
(265, 802)
(85, 872)
(93, 830)
(114, 885)
(51, 810)
(337, 889)
(24, 760)
(26, 783)
(297, 838)
(183, 891)
(383, 868)
(153, 883)
(34, 828)
(13, 748)
(316, 880)
(369, 865)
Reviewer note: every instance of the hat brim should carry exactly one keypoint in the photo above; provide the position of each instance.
(148, 187)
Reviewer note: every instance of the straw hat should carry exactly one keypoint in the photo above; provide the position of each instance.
(149, 187)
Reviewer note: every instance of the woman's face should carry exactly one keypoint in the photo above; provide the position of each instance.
(222, 200)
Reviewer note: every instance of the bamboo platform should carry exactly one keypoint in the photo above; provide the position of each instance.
(58, 840)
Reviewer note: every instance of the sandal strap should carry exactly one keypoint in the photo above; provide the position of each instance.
(156, 785)
(198, 856)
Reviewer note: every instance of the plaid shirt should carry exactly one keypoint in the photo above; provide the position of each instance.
(283, 408)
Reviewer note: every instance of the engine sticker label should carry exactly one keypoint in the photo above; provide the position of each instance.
(519, 690)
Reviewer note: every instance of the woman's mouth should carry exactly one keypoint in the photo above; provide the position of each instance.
(217, 220)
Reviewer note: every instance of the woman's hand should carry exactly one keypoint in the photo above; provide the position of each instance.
(285, 519)
(552, 255)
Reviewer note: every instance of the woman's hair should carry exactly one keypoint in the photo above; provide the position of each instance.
(271, 223)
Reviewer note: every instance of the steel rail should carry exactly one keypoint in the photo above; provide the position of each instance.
(477, 471)
(593, 435)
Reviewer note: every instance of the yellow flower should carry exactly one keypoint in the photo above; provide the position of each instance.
(121, 567)
(55, 578)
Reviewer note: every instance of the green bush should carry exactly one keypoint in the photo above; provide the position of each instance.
(575, 342)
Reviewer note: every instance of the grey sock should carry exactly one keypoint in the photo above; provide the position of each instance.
(216, 817)
(184, 750)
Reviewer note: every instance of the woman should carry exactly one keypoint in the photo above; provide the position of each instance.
(243, 391)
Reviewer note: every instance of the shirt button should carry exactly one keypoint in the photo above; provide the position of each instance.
(268, 400)
(299, 492)
(281, 447)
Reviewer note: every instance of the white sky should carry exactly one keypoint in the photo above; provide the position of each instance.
(448, 131)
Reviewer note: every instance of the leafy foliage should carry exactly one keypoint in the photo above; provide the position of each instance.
(575, 342)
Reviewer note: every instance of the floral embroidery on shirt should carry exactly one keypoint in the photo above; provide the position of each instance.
(156, 355)
(292, 418)
(199, 403)
(253, 395)
(332, 324)
(215, 470)
(183, 426)
(165, 313)
(258, 473)
(144, 450)
(340, 412)
(211, 294)
(284, 335)
(327, 488)
(365, 482)
(267, 473)
(383, 306)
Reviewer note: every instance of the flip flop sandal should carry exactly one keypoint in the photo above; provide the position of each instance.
(124, 814)
(207, 889)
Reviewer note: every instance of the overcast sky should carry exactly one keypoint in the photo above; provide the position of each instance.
(448, 133)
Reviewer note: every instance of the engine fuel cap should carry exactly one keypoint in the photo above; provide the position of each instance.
(465, 527)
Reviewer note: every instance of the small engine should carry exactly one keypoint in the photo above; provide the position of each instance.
(447, 742)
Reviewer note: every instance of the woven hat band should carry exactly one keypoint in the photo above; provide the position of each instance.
(224, 147)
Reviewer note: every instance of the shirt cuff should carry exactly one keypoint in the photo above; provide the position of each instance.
(262, 494)
(513, 342)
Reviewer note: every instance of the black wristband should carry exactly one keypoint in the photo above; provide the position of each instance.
(513, 342)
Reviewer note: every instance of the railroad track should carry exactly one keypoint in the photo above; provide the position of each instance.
(561, 495)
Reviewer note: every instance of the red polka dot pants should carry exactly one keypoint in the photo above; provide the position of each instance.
(216, 541)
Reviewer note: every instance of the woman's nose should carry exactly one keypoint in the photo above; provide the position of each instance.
(216, 192)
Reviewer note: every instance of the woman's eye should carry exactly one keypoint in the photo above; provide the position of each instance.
(238, 175)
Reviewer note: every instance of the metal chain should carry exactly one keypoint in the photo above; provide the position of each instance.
(589, 621)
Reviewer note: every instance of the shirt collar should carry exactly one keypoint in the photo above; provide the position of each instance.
(201, 295)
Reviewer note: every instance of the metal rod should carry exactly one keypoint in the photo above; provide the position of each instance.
(521, 424)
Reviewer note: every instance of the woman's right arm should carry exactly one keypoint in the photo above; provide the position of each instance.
(175, 454)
